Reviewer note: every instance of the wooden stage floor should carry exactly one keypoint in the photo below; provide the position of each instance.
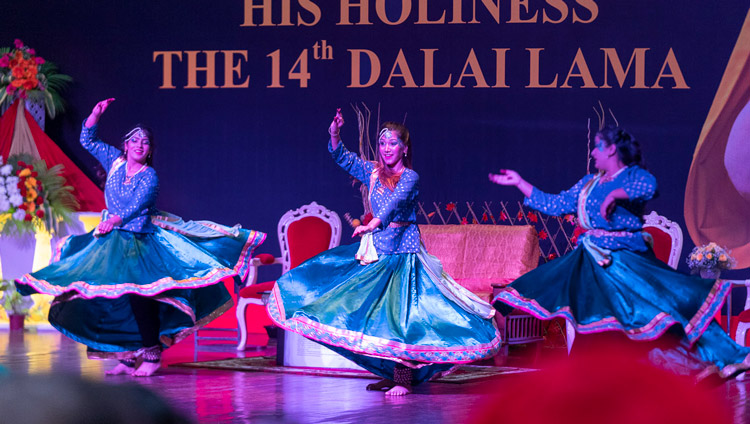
(216, 396)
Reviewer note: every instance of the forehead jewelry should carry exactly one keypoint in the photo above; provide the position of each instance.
(389, 135)
(136, 132)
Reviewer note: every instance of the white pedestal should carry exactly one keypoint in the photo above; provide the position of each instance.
(301, 352)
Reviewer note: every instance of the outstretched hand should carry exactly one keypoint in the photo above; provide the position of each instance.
(506, 177)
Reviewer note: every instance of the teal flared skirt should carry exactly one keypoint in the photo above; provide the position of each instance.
(92, 279)
(400, 309)
(638, 295)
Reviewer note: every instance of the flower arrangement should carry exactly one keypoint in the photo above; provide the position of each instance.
(12, 301)
(33, 196)
(709, 257)
(23, 75)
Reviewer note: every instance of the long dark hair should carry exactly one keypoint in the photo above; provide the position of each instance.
(628, 148)
(387, 177)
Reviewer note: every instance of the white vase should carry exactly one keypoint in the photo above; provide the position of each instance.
(16, 255)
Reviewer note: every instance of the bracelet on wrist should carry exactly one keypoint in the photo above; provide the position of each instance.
(333, 133)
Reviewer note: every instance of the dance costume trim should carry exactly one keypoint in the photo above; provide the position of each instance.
(653, 330)
(113, 291)
(375, 346)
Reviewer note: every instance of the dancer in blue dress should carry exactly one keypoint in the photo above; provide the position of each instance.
(142, 280)
(612, 281)
(385, 303)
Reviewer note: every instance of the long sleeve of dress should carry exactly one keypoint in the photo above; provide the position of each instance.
(556, 204)
(102, 151)
(404, 194)
(351, 163)
(640, 185)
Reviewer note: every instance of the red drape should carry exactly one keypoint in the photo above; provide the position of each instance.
(89, 195)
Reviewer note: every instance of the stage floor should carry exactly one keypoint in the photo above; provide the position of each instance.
(215, 396)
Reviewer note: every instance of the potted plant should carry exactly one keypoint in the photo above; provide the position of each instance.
(15, 305)
(708, 260)
(33, 196)
(25, 75)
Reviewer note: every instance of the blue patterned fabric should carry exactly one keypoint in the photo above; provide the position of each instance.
(399, 205)
(638, 183)
(402, 308)
(182, 265)
(392, 310)
(632, 291)
(134, 201)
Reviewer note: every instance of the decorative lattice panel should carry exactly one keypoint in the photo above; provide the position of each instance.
(557, 235)
(35, 108)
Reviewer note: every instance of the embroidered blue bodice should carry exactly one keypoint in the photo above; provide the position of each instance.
(638, 183)
(390, 206)
(133, 201)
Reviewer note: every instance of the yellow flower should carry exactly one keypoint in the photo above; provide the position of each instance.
(25, 173)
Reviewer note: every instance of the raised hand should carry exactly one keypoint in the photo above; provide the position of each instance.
(506, 177)
(97, 111)
(337, 123)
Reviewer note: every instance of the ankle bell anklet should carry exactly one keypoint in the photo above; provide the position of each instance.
(130, 363)
(150, 354)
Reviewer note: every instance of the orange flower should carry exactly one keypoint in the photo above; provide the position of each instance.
(699, 257)
(709, 256)
(723, 258)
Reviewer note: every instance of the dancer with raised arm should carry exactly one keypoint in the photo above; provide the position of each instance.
(612, 281)
(142, 280)
(385, 303)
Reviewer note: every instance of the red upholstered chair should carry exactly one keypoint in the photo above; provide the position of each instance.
(303, 233)
(667, 247)
(667, 238)
(743, 319)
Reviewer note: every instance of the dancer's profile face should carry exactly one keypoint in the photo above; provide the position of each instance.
(602, 152)
(391, 148)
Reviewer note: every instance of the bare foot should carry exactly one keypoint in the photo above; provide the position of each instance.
(147, 369)
(398, 391)
(380, 385)
(120, 369)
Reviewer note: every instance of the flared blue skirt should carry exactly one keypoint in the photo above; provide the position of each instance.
(401, 309)
(637, 294)
(92, 279)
